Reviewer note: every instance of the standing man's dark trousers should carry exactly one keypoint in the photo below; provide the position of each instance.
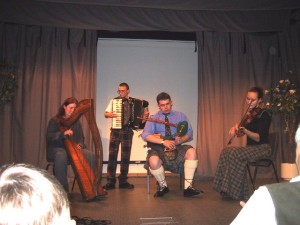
(117, 137)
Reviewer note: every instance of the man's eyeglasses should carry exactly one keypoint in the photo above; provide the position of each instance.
(163, 105)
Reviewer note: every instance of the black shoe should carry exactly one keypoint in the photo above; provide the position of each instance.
(163, 190)
(190, 191)
(126, 185)
(109, 186)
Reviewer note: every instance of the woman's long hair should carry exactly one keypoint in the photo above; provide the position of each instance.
(61, 110)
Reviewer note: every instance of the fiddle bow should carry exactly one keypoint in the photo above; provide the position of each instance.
(246, 119)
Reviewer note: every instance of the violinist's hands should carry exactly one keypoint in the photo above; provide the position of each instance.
(236, 130)
(242, 130)
(78, 146)
(233, 130)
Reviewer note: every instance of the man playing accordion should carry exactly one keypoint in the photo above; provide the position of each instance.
(122, 110)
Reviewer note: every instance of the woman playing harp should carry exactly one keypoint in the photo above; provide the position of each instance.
(59, 139)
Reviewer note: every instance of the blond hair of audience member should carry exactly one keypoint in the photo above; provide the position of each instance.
(31, 196)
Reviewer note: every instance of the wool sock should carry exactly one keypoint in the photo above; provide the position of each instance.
(190, 167)
(159, 175)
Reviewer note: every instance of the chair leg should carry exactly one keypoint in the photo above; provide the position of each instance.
(249, 172)
(148, 181)
(275, 172)
(255, 173)
(181, 181)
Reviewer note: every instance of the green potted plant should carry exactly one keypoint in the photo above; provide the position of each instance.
(8, 83)
(284, 101)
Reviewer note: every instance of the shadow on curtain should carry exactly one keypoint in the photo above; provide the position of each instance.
(229, 64)
(53, 63)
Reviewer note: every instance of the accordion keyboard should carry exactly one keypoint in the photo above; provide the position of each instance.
(117, 109)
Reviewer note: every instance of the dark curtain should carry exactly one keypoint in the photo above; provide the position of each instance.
(185, 16)
(54, 64)
(229, 64)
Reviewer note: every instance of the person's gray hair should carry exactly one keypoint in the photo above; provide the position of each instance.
(31, 196)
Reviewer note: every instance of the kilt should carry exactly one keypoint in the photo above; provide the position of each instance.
(231, 173)
(176, 165)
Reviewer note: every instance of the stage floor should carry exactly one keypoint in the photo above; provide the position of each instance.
(137, 207)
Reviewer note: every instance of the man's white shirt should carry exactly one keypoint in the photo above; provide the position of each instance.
(259, 209)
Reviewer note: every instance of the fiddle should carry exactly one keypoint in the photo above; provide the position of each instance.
(248, 117)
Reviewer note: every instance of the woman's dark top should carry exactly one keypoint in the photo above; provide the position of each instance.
(260, 124)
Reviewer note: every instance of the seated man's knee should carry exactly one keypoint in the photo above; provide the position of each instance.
(154, 162)
(191, 154)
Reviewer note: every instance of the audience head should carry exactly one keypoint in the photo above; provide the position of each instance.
(31, 196)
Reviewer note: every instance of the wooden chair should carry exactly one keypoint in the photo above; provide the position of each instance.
(149, 175)
(264, 162)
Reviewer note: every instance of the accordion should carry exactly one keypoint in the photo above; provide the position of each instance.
(129, 113)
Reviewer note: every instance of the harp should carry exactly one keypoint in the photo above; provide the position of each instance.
(89, 181)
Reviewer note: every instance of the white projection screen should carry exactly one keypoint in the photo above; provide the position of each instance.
(149, 67)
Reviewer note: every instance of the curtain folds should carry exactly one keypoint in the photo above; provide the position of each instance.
(191, 16)
(229, 64)
(54, 64)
